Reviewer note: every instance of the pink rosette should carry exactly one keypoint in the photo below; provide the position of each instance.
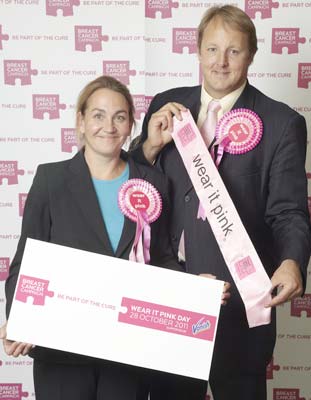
(140, 201)
(239, 130)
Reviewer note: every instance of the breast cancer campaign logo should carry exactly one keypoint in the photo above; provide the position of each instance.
(287, 394)
(46, 103)
(286, 37)
(68, 139)
(89, 36)
(3, 36)
(22, 197)
(152, 7)
(300, 305)
(184, 38)
(36, 288)
(262, 6)
(12, 391)
(9, 171)
(18, 70)
(141, 103)
(4, 268)
(119, 70)
(66, 7)
(304, 75)
(271, 367)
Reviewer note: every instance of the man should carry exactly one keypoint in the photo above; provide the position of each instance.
(267, 185)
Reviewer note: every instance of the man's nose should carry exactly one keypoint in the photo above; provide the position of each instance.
(222, 58)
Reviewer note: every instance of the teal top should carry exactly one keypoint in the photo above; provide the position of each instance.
(107, 194)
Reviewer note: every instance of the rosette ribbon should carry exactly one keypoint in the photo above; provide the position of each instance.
(140, 201)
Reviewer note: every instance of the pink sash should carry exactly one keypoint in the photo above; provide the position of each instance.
(237, 249)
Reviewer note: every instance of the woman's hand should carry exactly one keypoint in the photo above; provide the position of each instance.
(11, 348)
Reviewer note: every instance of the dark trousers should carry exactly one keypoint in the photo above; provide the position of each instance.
(102, 381)
(174, 387)
(251, 387)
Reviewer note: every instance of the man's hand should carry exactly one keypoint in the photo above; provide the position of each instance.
(287, 279)
(225, 293)
(11, 348)
(159, 129)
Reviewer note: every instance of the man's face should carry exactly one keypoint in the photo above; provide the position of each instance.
(225, 57)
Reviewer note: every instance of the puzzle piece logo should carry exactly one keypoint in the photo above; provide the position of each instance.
(119, 70)
(270, 368)
(287, 394)
(304, 75)
(46, 103)
(208, 397)
(184, 37)
(12, 391)
(286, 37)
(37, 288)
(65, 5)
(88, 35)
(21, 203)
(263, 6)
(9, 171)
(18, 69)
(162, 6)
(141, 104)
(4, 268)
(301, 304)
(3, 36)
(68, 139)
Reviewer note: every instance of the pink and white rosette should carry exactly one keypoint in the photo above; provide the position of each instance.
(141, 202)
(237, 132)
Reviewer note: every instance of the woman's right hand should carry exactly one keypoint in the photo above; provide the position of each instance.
(160, 127)
(12, 348)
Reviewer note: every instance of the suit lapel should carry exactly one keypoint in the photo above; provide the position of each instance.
(129, 228)
(193, 103)
(81, 186)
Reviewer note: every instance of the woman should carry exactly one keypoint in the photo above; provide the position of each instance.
(74, 203)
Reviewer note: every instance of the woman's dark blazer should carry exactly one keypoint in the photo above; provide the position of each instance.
(62, 208)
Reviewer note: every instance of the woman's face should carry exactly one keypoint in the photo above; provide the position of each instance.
(106, 123)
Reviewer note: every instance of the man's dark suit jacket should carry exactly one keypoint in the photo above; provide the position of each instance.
(62, 208)
(268, 186)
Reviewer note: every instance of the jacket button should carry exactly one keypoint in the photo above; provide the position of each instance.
(174, 238)
(187, 198)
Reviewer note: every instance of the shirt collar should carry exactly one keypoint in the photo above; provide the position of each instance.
(226, 102)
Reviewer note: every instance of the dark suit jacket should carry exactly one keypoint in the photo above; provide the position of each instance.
(62, 208)
(269, 189)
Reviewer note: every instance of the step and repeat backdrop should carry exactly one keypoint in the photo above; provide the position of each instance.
(49, 49)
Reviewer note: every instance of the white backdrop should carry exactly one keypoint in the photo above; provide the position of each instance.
(49, 49)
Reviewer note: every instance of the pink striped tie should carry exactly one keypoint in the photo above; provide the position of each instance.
(209, 126)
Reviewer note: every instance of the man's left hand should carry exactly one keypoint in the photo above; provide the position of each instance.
(287, 279)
